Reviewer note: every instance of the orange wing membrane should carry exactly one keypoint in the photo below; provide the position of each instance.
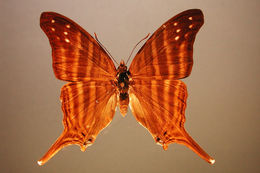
(159, 105)
(90, 99)
(75, 53)
(167, 54)
(88, 108)
(157, 97)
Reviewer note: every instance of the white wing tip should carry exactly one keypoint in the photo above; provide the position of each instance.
(212, 161)
(39, 163)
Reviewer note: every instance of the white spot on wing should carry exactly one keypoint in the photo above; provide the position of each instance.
(52, 21)
(67, 40)
(175, 24)
(190, 18)
(68, 26)
(65, 33)
(191, 26)
(177, 38)
(178, 30)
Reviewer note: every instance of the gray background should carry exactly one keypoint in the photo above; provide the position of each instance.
(223, 103)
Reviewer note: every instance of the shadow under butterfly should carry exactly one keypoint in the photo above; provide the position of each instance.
(96, 87)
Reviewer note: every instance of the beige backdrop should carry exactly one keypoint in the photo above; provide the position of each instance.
(223, 103)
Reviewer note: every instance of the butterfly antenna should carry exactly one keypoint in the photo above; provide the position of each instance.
(136, 46)
(104, 48)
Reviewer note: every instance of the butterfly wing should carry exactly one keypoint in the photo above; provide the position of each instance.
(88, 107)
(76, 54)
(89, 100)
(167, 54)
(159, 105)
(157, 97)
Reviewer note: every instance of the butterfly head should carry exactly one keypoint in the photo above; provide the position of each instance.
(122, 63)
(122, 67)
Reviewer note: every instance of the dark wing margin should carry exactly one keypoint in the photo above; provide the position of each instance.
(76, 54)
(168, 53)
(88, 107)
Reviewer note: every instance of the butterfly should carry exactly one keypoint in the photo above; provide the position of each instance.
(151, 85)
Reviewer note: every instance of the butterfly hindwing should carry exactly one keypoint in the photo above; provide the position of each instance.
(159, 105)
(88, 107)
(167, 54)
(76, 54)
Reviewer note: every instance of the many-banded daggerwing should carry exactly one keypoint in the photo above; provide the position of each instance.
(151, 85)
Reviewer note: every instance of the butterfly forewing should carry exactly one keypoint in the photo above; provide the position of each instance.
(88, 107)
(76, 54)
(168, 52)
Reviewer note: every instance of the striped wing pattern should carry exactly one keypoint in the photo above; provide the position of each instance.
(168, 52)
(89, 99)
(88, 107)
(157, 97)
(159, 105)
(76, 55)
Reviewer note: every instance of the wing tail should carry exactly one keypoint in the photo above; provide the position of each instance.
(60, 143)
(185, 139)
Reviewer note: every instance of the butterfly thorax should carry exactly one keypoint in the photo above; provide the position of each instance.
(122, 83)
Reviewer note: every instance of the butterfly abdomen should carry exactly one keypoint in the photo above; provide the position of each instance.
(123, 87)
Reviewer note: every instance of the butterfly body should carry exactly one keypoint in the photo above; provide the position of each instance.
(122, 83)
(151, 86)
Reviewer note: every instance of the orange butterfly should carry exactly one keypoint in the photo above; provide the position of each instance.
(151, 85)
